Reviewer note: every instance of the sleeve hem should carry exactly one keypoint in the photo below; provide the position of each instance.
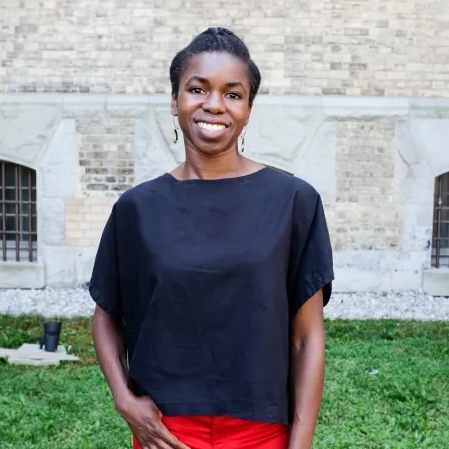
(323, 281)
(102, 303)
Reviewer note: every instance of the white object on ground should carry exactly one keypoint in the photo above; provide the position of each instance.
(31, 354)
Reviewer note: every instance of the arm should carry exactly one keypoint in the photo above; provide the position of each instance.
(141, 413)
(111, 353)
(307, 363)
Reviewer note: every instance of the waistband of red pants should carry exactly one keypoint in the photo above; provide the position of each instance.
(224, 432)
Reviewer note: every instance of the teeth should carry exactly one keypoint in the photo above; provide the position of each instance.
(211, 127)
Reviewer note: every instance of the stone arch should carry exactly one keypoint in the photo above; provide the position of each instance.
(39, 137)
(16, 161)
(442, 170)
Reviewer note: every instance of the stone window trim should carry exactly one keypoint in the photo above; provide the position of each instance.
(440, 235)
(18, 215)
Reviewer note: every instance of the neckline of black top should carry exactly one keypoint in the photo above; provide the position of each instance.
(216, 181)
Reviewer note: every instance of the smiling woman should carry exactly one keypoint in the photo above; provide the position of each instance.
(212, 103)
(210, 280)
(214, 83)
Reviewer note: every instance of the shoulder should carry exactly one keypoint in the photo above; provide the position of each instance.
(304, 201)
(154, 188)
(300, 189)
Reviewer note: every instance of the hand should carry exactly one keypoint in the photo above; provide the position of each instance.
(144, 420)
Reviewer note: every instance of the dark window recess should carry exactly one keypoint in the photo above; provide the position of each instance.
(18, 231)
(440, 238)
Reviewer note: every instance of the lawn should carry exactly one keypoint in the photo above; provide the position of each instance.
(387, 387)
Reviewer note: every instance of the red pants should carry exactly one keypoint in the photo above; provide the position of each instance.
(224, 432)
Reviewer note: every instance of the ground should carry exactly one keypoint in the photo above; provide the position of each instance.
(387, 387)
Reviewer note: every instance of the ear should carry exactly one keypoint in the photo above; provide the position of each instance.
(174, 105)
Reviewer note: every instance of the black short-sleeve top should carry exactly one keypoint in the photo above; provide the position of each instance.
(206, 276)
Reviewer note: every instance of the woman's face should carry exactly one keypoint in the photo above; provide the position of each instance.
(212, 104)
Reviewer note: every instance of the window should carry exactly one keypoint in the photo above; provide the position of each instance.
(18, 236)
(440, 238)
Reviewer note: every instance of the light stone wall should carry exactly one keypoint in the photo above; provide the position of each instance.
(389, 48)
(373, 160)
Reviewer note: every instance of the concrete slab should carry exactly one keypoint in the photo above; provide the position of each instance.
(32, 362)
(5, 353)
(31, 354)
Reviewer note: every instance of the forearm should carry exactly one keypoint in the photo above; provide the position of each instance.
(110, 347)
(308, 379)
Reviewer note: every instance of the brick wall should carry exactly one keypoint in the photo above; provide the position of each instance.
(85, 220)
(106, 154)
(365, 215)
(343, 47)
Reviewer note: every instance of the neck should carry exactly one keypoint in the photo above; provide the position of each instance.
(204, 166)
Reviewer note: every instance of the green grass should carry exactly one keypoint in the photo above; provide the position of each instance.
(405, 405)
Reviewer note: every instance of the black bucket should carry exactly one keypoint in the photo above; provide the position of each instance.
(50, 340)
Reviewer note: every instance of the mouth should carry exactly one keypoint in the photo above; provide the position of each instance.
(214, 127)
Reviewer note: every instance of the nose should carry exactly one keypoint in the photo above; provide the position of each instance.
(214, 103)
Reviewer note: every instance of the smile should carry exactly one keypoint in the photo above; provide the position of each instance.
(211, 127)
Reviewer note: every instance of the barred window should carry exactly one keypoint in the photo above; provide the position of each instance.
(440, 238)
(18, 232)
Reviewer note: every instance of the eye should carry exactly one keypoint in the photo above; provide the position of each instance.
(234, 96)
(196, 90)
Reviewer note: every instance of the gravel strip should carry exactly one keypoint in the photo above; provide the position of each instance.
(77, 302)
(48, 302)
(399, 306)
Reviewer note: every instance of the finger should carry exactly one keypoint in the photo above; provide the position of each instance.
(161, 444)
(146, 443)
(144, 446)
(152, 445)
(152, 440)
(171, 440)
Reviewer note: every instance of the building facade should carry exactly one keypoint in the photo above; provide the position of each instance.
(354, 100)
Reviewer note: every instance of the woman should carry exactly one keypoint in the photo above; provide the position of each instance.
(210, 280)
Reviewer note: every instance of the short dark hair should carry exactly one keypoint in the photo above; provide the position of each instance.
(215, 40)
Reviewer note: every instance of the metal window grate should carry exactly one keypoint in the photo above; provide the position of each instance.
(18, 231)
(440, 238)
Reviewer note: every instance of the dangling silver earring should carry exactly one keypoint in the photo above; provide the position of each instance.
(242, 144)
(175, 131)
